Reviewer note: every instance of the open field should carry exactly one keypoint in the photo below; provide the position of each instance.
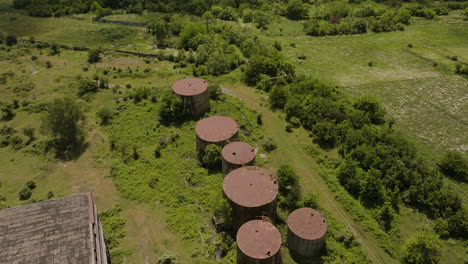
(429, 102)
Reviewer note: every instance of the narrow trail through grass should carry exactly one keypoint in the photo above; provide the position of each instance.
(291, 150)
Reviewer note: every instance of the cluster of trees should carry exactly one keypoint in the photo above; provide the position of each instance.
(363, 19)
(380, 168)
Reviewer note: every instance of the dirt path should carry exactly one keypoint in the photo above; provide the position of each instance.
(291, 150)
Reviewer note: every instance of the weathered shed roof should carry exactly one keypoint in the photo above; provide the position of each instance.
(238, 153)
(307, 223)
(250, 186)
(216, 128)
(53, 231)
(190, 86)
(258, 239)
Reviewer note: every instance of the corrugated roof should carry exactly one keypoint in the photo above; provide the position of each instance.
(190, 86)
(238, 153)
(258, 239)
(250, 186)
(216, 128)
(307, 223)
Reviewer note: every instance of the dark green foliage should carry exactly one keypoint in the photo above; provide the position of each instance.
(171, 109)
(296, 10)
(259, 119)
(48, 64)
(278, 96)
(269, 144)
(11, 40)
(157, 152)
(94, 55)
(461, 68)
(289, 187)
(50, 195)
(310, 200)
(105, 115)
(453, 164)
(422, 248)
(212, 157)
(6, 135)
(114, 230)
(31, 185)
(25, 194)
(85, 86)
(161, 30)
(63, 121)
(7, 111)
(54, 49)
(215, 92)
(168, 259)
(372, 108)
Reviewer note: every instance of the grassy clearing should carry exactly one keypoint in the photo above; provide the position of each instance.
(428, 101)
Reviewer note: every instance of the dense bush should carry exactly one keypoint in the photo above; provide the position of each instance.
(422, 248)
(455, 165)
(212, 157)
(289, 188)
(25, 194)
(171, 109)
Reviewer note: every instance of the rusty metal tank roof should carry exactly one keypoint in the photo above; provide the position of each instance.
(307, 223)
(238, 153)
(250, 186)
(190, 86)
(258, 239)
(216, 128)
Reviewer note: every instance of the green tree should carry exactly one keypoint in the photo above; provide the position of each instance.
(296, 10)
(372, 189)
(105, 115)
(209, 19)
(289, 187)
(171, 109)
(63, 121)
(212, 157)
(423, 248)
(161, 30)
(94, 55)
(373, 108)
(455, 165)
(278, 96)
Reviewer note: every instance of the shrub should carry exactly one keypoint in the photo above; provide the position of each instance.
(288, 187)
(421, 248)
(50, 195)
(461, 68)
(11, 40)
(269, 144)
(105, 115)
(288, 128)
(157, 152)
(310, 200)
(25, 194)
(214, 92)
(296, 10)
(212, 157)
(94, 55)
(48, 64)
(31, 185)
(454, 165)
(33, 58)
(86, 86)
(259, 119)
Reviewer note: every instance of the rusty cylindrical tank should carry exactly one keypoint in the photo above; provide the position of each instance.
(217, 130)
(236, 155)
(306, 232)
(258, 242)
(194, 93)
(252, 193)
